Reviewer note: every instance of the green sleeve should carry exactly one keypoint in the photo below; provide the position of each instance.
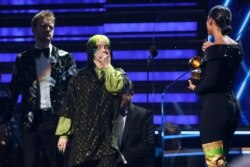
(114, 79)
(64, 127)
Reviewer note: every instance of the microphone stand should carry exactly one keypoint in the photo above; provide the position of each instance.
(163, 108)
(148, 128)
(153, 53)
(149, 62)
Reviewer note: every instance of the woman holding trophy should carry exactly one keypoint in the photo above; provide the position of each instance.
(221, 110)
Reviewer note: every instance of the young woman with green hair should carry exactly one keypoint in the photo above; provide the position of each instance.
(89, 116)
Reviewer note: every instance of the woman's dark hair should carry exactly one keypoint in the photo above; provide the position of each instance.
(222, 17)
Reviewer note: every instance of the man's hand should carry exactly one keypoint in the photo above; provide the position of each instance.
(5, 134)
(62, 144)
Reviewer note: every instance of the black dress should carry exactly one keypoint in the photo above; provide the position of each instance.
(221, 110)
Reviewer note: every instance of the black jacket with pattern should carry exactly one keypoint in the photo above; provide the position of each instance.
(24, 77)
(94, 113)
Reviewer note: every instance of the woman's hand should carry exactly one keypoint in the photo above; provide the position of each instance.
(191, 86)
(206, 45)
(102, 58)
(62, 144)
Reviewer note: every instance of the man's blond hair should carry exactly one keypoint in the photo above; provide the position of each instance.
(42, 14)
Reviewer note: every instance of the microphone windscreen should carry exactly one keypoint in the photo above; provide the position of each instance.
(153, 51)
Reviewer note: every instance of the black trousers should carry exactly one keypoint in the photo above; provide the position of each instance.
(219, 118)
(108, 161)
(39, 147)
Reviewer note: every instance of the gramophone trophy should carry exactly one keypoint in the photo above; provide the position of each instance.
(195, 63)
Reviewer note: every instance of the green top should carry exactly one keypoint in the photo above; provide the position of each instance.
(114, 84)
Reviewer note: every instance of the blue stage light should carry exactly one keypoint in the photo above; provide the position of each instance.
(143, 5)
(84, 37)
(243, 65)
(227, 3)
(66, 31)
(149, 27)
(123, 55)
(35, 2)
(106, 28)
(162, 54)
(198, 133)
(115, 30)
(5, 78)
(157, 76)
(177, 119)
(172, 97)
(242, 86)
(180, 136)
(196, 152)
(34, 11)
(134, 76)
(243, 26)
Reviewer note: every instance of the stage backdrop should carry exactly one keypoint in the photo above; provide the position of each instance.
(175, 28)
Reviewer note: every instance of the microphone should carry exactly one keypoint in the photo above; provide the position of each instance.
(153, 52)
(124, 161)
(30, 116)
